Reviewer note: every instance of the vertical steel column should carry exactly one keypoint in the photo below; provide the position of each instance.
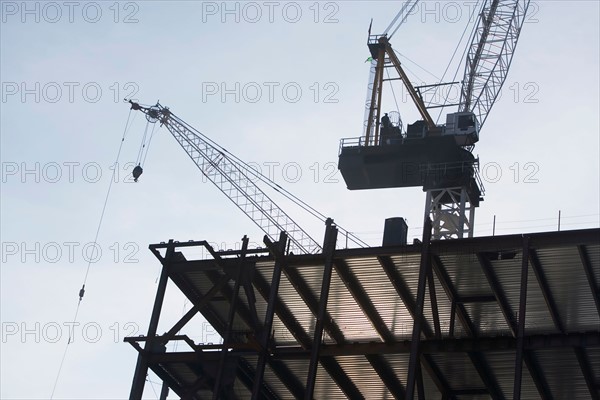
(375, 107)
(141, 367)
(418, 317)
(429, 212)
(265, 339)
(328, 250)
(521, 326)
(420, 386)
(461, 212)
(434, 305)
(472, 219)
(164, 391)
(230, 319)
(380, 66)
(452, 318)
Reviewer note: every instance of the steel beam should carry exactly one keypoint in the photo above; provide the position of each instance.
(328, 249)
(387, 375)
(196, 308)
(470, 392)
(291, 323)
(420, 386)
(168, 379)
(437, 376)
(424, 269)
(475, 245)
(402, 289)
(230, 318)
(486, 375)
(499, 293)
(277, 366)
(362, 299)
(476, 299)
(434, 305)
(533, 367)
(586, 370)
(278, 253)
(344, 382)
(547, 293)
(164, 391)
(492, 344)
(283, 312)
(446, 282)
(477, 359)
(312, 303)
(521, 325)
(589, 273)
(537, 375)
(328, 324)
(379, 364)
(452, 318)
(141, 368)
(246, 375)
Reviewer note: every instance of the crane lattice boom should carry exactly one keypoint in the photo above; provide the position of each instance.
(490, 54)
(225, 172)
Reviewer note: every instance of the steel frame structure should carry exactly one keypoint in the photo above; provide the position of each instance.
(488, 319)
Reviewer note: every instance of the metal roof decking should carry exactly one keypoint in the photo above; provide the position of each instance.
(469, 339)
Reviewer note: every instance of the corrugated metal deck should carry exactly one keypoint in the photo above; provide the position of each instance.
(472, 335)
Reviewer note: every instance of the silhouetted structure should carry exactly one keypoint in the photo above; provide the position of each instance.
(514, 316)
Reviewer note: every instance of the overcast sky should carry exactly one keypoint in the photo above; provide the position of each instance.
(278, 84)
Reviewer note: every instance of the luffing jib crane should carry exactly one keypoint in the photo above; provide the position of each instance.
(237, 180)
(436, 157)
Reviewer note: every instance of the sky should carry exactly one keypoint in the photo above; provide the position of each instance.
(276, 83)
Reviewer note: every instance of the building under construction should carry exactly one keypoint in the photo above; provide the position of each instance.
(499, 317)
(450, 316)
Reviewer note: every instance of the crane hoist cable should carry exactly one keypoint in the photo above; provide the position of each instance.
(400, 13)
(454, 54)
(138, 160)
(143, 151)
(415, 63)
(81, 292)
(148, 144)
(394, 95)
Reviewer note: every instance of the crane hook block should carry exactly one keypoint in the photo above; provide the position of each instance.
(137, 171)
(135, 106)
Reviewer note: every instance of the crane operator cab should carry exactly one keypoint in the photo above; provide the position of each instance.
(463, 126)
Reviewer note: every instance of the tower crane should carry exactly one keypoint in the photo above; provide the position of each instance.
(437, 157)
(237, 180)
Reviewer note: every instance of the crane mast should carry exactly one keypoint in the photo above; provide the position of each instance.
(232, 178)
